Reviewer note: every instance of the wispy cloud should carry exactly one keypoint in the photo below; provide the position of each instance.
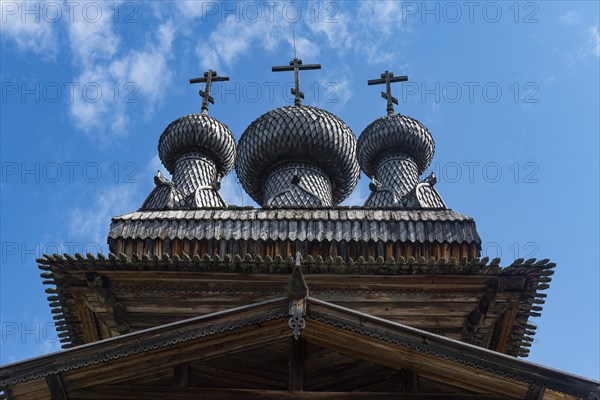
(594, 40)
(570, 18)
(91, 223)
(116, 82)
(367, 32)
(589, 38)
(28, 31)
(237, 37)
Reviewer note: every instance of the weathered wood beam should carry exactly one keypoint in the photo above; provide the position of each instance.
(409, 381)
(181, 376)
(56, 387)
(135, 393)
(296, 364)
(535, 392)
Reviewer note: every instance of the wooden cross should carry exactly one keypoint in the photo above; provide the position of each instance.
(210, 76)
(296, 66)
(388, 78)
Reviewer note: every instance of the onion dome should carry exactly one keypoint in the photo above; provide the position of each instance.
(198, 151)
(395, 134)
(297, 156)
(394, 151)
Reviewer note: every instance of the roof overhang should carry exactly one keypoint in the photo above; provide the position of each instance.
(73, 372)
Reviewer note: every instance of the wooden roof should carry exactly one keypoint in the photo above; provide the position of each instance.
(337, 224)
(474, 301)
(249, 353)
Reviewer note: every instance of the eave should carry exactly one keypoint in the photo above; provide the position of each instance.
(492, 305)
(89, 368)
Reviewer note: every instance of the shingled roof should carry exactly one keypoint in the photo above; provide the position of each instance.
(340, 223)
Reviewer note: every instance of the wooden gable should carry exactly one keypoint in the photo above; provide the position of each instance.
(250, 353)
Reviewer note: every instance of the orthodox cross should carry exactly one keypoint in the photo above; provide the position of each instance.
(388, 78)
(296, 66)
(210, 76)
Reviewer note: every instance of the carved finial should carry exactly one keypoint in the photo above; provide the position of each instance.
(297, 292)
(388, 78)
(297, 288)
(210, 76)
(296, 66)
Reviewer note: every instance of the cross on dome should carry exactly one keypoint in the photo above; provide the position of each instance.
(296, 66)
(210, 76)
(388, 78)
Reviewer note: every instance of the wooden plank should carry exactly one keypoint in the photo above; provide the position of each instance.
(409, 381)
(296, 364)
(55, 385)
(203, 348)
(375, 351)
(181, 375)
(535, 392)
(135, 393)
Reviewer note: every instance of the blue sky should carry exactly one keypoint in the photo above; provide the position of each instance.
(510, 92)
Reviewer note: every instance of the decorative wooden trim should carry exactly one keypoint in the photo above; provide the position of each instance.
(534, 276)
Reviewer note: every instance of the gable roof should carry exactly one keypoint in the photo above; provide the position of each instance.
(376, 340)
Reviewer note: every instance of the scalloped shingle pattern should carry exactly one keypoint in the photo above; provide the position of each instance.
(313, 190)
(197, 132)
(192, 171)
(301, 134)
(395, 133)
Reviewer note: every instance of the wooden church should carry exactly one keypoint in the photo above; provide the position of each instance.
(300, 298)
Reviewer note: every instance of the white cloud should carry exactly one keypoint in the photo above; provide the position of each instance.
(335, 31)
(334, 88)
(92, 40)
(570, 18)
(236, 38)
(156, 165)
(594, 39)
(367, 33)
(91, 223)
(192, 8)
(588, 47)
(32, 32)
(305, 49)
(135, 76)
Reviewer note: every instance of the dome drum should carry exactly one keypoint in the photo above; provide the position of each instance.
(398, 172)
(298, 184)
(194, 170)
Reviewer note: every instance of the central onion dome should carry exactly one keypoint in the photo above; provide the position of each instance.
(395, 150)
(298, 156)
